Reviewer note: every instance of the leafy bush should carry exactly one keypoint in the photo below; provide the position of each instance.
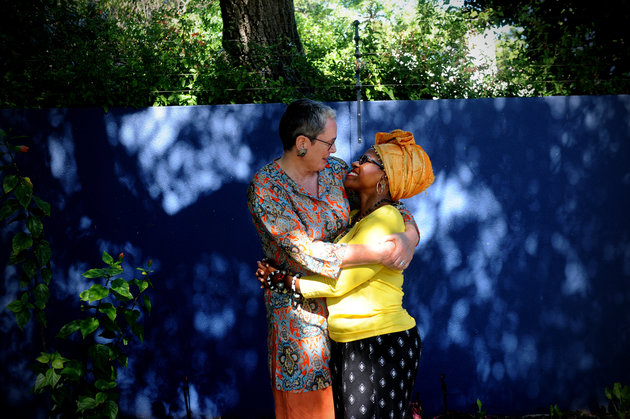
(153, 52)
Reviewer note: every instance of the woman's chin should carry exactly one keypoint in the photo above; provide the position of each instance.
(349, 184)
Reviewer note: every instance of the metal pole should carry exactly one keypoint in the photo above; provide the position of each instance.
(357, 55)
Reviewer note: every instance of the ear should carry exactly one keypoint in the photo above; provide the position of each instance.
(301, 142)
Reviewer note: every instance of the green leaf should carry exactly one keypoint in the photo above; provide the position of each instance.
(43, 252)
(105, 385)
(121, 287)
(15, 259)
(69, 328)
(24, 191)
(43, 205)
(9, 207)
(21, 241)
(101, 355)
(109, 310)
(132, 318)
(107, 258)
(73, 370)
(110, 325)
(85, 403)
(147, 303)
(88, 325)
(9, 183)
(141, 285)
(95, 273)
(46, 275)
(44, 358)
(34, 225)
(52, 378)
(113, 271)
(57, 361)
(111, 409)
(94, 293)
(22, 318)
(40, 383)
(123, 359)
(16, 306)
(101, 397)
(30, 268)
(41, 295)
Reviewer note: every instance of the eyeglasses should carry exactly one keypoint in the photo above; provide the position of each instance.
(330, 145)
(364, 159)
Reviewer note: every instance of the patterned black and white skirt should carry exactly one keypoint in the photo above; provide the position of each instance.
(374, 377)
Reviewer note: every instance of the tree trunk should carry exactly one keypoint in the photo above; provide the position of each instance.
(261, 34)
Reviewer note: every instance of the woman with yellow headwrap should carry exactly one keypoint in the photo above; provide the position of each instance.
(375, 344)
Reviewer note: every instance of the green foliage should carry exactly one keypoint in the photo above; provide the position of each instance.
(555, 412)
(619, 397)
(113, 311)
(560, 48)
(22, 211)
(153, 52)
(480, 413)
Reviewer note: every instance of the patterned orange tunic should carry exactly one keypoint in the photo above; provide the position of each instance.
(295, 228)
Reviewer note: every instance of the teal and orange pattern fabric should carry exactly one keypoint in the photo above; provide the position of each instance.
(297, 230)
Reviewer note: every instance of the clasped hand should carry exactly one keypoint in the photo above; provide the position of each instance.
(270, 277)
(398, 251)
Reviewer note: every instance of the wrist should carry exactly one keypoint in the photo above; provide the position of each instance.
(385, 251)
(295, 284)
(294, 289)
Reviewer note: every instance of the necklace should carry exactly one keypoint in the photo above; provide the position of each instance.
(370, 210)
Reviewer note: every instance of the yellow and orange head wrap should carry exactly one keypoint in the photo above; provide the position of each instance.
(407, 165)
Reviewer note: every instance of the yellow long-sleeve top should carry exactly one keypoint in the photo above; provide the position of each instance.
(366, 300)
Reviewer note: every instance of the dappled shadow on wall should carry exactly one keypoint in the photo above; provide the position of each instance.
(168, 184)
(520, 231)
(522, 269)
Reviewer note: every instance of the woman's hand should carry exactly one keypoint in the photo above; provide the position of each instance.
(400, 256)
(265, 269)
(270, 277)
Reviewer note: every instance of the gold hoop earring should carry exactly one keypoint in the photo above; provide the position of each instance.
(380, 186)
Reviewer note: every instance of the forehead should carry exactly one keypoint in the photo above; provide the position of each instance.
(330, 129)
(371, 153)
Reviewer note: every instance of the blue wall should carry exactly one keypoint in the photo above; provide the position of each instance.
(520, 284)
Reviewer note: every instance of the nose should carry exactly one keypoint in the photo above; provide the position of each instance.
(333, 149)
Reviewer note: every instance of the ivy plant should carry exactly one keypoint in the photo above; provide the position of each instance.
(113, 307)
(619, 397)
(21, 211)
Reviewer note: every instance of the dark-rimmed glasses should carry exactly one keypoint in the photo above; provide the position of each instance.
(365, 159)
(330, 145)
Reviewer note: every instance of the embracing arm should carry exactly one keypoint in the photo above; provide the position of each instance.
(380, 224)
(285, 238)
(404, 244)
(283, 233)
